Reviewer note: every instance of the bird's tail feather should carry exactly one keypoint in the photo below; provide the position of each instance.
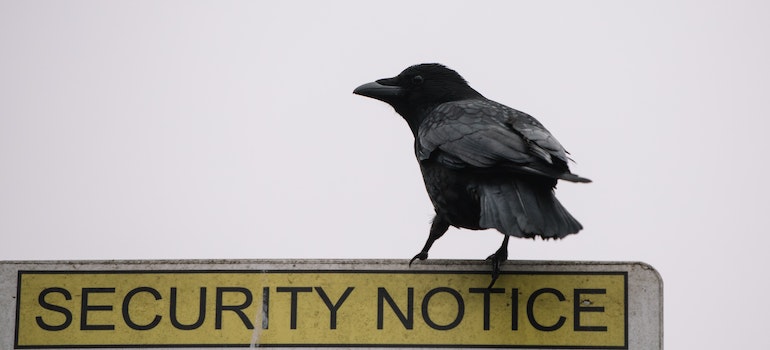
(522, 209)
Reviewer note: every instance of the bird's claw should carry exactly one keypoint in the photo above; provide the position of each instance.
(420, 255)
(496, 259)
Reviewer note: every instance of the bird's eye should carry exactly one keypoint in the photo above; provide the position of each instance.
(417, 80)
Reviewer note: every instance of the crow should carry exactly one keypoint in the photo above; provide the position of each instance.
(485, 165)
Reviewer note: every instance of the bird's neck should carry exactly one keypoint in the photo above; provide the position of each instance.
(415, 114)
(414, 117)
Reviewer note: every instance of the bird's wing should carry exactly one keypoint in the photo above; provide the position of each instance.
(483, 133)
(541, 142)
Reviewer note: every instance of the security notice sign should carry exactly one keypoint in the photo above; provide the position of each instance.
(310, 303)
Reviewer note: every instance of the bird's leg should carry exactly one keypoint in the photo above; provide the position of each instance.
(497, 259)
(437, 229)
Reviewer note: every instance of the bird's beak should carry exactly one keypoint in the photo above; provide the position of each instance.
(379, 91)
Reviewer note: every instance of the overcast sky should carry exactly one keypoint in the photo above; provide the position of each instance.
(221, 129)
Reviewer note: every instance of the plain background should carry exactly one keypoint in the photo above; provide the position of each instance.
(221, 129)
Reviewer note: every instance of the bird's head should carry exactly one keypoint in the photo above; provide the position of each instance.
(418, 89)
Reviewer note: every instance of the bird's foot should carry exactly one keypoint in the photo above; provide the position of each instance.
(497, 259)
(420, 255)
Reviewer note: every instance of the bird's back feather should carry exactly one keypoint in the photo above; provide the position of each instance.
(482, 133)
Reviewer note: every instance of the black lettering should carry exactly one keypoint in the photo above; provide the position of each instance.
(294, 292)
(333, 307)
(460, 308)
(580, 308)
(127, 316)
(487, 293)
(201, 311)
(56, 308)
(531, 309)
(407, 320)
(265, 307)
(515, 309)
(238, 309)
(85, 308)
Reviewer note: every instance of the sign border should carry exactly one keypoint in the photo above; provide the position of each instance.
(21, 272)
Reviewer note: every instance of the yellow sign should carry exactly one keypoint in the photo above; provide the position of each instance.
(321, 308)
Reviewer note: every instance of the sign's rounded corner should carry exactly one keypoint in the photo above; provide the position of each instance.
(652, 270)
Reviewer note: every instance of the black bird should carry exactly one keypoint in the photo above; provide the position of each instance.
(485, 165)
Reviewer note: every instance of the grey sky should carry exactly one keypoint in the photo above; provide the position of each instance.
(189, 129)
